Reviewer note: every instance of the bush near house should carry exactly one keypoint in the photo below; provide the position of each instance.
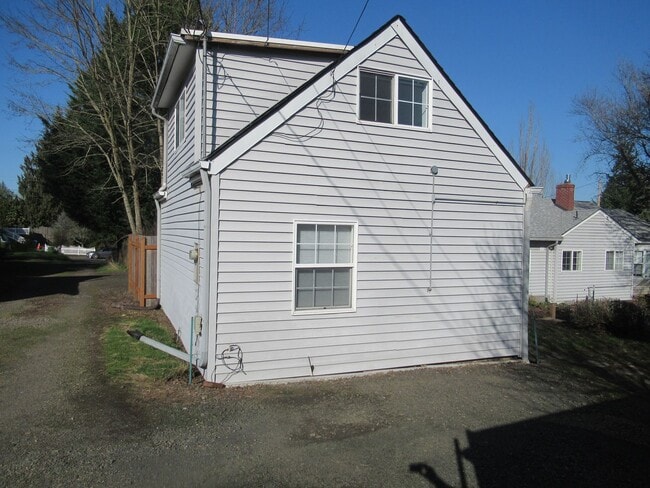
(629, 319)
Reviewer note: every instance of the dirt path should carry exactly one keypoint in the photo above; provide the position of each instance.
(53, 395)
(563, 423)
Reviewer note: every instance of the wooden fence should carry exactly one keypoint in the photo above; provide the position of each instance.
(141, 260)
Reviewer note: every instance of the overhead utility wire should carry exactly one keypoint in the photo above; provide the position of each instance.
(356, 24)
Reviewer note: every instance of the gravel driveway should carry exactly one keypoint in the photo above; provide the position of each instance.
(566, 422)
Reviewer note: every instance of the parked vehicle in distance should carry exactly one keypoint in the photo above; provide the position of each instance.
(102, 253)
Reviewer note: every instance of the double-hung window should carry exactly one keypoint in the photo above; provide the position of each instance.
(179, 119)
(613, 260)
(381, 96)
(324, 266)
(571, 260)
(642, 263)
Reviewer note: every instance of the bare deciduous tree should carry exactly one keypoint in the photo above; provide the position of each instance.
(108, 52)
(616, 128)
(533, 154)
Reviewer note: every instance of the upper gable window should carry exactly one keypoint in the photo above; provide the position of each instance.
(381, 96)
(375, 98)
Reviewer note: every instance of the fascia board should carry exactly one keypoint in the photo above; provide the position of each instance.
(273, 42)
(461, 105)
(178, 58)
(317, 87)
(175, 42)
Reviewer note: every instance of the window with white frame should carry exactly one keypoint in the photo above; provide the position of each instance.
(614, 260)
(324, 266)
(571, 260)
(642, 263)
(382, 95)
(179, 119)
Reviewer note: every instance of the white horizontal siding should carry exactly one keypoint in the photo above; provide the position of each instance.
(244, 83)
(594, 237)
(379, 177)
(181, 222)
(537, 269)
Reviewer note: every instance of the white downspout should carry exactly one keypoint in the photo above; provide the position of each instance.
(525, 271)
(206, 181)
(204, 333)
(159, 197)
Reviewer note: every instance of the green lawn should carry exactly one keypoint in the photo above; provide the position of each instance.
(128, 360)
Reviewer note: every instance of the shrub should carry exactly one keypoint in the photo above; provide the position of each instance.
(630, 319)
(538, 308)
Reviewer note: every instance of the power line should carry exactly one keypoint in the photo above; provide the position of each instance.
(356, 24)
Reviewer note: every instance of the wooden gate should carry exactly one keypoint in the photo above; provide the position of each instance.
(142, 268)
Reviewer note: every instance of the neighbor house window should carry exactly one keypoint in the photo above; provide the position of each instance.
(614, 260)
(642, 263)
(324, 266)
(571, 260)
(382, 95)
(180, 120)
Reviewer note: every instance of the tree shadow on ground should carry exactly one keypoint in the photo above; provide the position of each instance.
(22, 279)
(605, 444)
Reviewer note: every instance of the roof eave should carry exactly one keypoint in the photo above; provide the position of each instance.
(267, 42)
(178, 57)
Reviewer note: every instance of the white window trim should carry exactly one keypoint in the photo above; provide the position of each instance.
(582, 257)
(353, 270)
(394, 100)
(645, 267)
(180, 114)
(615, 251)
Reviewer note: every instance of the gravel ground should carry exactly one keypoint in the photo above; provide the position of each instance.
(566, 422)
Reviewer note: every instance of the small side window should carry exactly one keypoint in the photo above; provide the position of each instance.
(179, 120)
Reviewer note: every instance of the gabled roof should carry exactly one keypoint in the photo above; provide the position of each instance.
(639, 228)
(548, 222)
(228, 152)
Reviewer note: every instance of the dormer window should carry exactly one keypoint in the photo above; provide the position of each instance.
(382, 95)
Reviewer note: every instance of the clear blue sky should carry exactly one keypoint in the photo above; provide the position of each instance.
(503, 55)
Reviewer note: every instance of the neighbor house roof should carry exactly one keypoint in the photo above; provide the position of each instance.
(548, 222)
(639, 228)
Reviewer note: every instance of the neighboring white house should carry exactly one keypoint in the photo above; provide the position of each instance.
(579, 250)
(303, 228)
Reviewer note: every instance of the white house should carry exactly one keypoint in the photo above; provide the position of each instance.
(579, 250)
(327, 211)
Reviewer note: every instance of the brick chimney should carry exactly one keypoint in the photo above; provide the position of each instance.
(564, 194)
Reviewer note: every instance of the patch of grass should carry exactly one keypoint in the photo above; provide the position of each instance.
(128, 360)
(112, 267)
(14, 341)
